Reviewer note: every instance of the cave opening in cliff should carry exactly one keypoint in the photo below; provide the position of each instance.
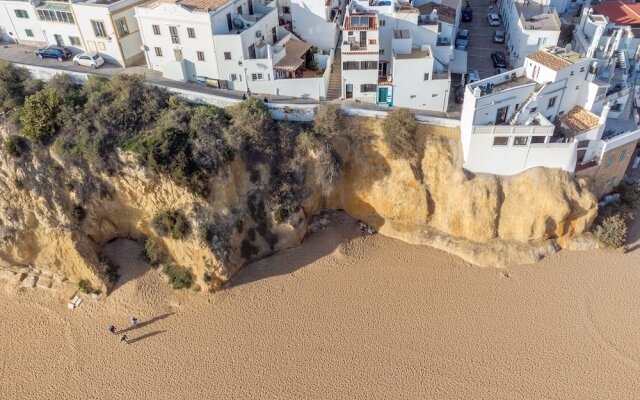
(124, 260)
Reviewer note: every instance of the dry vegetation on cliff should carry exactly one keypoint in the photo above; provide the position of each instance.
(210, 189)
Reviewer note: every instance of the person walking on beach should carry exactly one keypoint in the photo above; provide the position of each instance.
(134, 321)
(112, 329)
(124, 339)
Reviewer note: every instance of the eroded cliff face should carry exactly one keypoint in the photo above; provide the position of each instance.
(485, 219)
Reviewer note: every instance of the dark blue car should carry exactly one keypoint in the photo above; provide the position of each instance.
(61, 53)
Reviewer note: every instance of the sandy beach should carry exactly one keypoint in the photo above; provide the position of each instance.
(344, 316)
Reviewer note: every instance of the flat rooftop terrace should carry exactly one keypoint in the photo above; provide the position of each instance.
(538, 17)
(502, 82)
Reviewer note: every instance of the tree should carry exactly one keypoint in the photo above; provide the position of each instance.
(251, 125)
(40, 117)
(15, 145)
(400, 134)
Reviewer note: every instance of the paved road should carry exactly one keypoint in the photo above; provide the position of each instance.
(481, 39)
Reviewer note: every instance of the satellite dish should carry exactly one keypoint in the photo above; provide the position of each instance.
(238, 23)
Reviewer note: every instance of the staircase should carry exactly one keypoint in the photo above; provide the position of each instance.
(334, 91)
(622, 60)
(524, 105)
(628, 106)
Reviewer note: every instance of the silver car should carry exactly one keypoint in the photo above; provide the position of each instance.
(462, 41)
(494, 19)
(89, 59)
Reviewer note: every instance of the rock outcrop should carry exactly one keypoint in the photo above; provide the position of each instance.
(487, 220)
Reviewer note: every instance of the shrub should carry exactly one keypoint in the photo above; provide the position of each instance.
(612, 231)
(12, 86)
(171, 223)
(85, 287)
(251, 125)
(179, 277)
(40, 117)
(153, 252)
(327, 168)
(400, 133)
(77, 214)
(629, 192)
(15, 145)
(328, 120)
(109, 269)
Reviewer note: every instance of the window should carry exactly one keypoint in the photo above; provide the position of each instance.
(368, 65)
(501, 115)
(501, 140)
(98, 28)
(227, 55)
(552, 102)
(426, 77)
(200, 55)
(612, 181)
(173, 31)
(572, 73)
(542, 41)
(177, 53)
(578, 87)
(156, 29)
(350, 33)
(29, 32)
(347, 65)
(233, 77)
(623, 155)
(75, 41)
(191, 33)
(257, 77)
(55, 16)
(533, 109)
(286, 10)
(367, 87)
(21, 13)
(520, 140)
(158, 51)
(229, 23)
(609, 161)
(123, 28)
(581, 69)
(381, 51)
(583, 143)
(382, 22)
(537, 139)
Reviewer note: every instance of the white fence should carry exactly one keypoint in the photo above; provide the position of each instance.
(279, 111)
(514, 129)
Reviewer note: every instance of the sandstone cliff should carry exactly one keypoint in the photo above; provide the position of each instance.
(485, 219)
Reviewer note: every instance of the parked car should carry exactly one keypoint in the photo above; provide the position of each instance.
(89, 59)
(498, 37)
(462, 40)
(459, 94)
(501, 71)
(473, 76)
(467, 14)
(499, 59)
(494, 19)
(61, 53)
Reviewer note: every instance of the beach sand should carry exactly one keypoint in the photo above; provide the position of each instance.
(344, 316)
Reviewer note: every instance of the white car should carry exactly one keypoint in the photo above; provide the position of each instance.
(91, 59)
(494, 19)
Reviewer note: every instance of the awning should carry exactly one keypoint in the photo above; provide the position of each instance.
(292, 60)
(55, 7)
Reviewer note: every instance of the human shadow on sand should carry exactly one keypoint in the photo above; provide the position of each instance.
(342, 229)
(145, 323)
(145, 336)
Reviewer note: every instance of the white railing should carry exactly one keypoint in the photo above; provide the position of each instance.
(513, 129)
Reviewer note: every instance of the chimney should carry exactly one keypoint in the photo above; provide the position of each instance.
(604, 114)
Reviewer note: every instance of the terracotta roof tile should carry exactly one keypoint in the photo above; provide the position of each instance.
(197, 5)
(579, 120)
(549, 60)
(620, 12)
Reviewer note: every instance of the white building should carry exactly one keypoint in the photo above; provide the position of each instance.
(315, 21)
(535, 116)
(398, 54)
(111, 29)
(530, 25)
(228, 44)
(19, 23)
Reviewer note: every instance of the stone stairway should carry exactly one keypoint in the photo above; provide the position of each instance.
(628, 106)
(334, 91)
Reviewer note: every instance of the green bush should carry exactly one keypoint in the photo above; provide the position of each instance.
(629, 193)
(612, 231)
(400, 134)
(12, 86)
(251, 126)
(85, 287)
(40, 117)
(77, 214)
(154, 252)
(179, 277)
(15, 145)
(171, 223)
